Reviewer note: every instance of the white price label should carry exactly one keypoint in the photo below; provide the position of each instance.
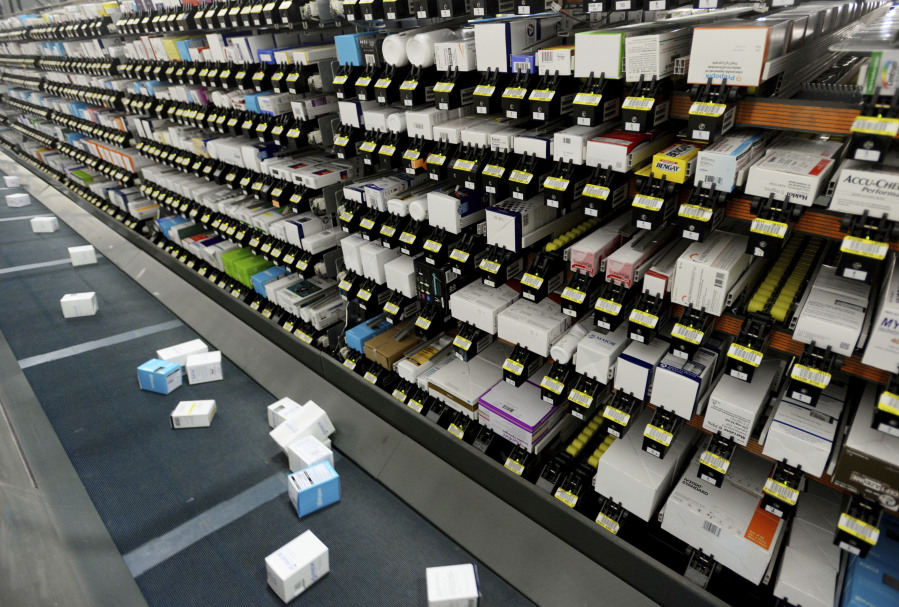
(535, 282)
(865, 247)
(580, 398)
(608, 306)
(858, 528)
(489, 266)
(566, 497)
(778, 229)
(575, 295)
(638, 103)
(708, 109)
(616, 415)
(811, 376)
(715, 462)
(687, 334)
(552, 385)
(513, 367)
(608, 524)
(644, 318)
(695, 212)
(556, 183)
(650, 203)
(663, 437)
(781, 491)
(745, 355)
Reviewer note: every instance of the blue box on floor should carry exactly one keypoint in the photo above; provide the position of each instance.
(361, 333)
(159, 376)
(313, 488)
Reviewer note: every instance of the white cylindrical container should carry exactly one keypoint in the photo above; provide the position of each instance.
(420, 48)
(394, 49)
(418, 208)
(565, 348)
(396, 123)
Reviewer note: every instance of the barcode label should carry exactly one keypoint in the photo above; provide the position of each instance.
(371, 377)
(514, 93)
(407, 238)
(857, 528)
(781, 491)
(535, 282)
(587, 99)
(521, 177)
(514, 466)
(368, 146)
(541, 95)
(462, 343)
(566, 497)
(484, 90)
(399, 395)
(489, 266)
(694, 211)
(364, 294)
(513, 367)
(768, 227)
(865, 247)
(415, 405)
(387, 150)
(608, 524)
(888, 402)
(660, 436)
(552, 385)
(745, 355)
(363, 81)
(366, 224)
(493, 170)
(687, 334)
(464, 165)
(349, 364)
(382, 83)
(391, 308)
(580, 398)
(711, 528)
(876, 126)
(388, 231)
(437, 159)
(422, 323)
(304, 337)
(638, 103)
(459, 255)
(433, 246)
(443, 87)
(345, 285)
(575, 295)
(608, 306)
(456, 431)
(715, 462)
(596, 191)
(409, 85)
(616, 415)
(708, 109)
(556, 183)
(651, 203)
(411, 154)
(811, 376)
(644, 318)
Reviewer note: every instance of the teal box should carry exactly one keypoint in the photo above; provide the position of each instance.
(252, 101)
(313, 488)
(159, 376)
(358, 335)
(266, 276)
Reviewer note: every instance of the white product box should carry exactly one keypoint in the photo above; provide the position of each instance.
(726, 162)
(44, 225)
(783, 174)
(623, 150)
(308, 420)
(421, 122)
(833, 312)
(280, 410)
(18, 200)
(193, 414)
(82, 256)
(455, 212)
(307, 452)
(324, 312)
(350, 111)
(202, 368)
(178, 353)
(451, 130)
(425, 359)
(587, 254)
(296, 566)
(520, 414)
(310, 107)
(350, 247)
(11, 181)
(882, 345)
(678, 383)
(375, 118)
(480, 305)
(599, 52)
(636, 366)
(863, 186)
(496, 41)
(598, 352)
(805, 580)
(79, 304)
(707, 271)
(636, 479)
(533, 325)
(659, 278)
(461, 54)
(536, 143)
(511, 221)
(379, 191)
(453, 586)
(555, 59)
(503, 140)
(810, 146)
(727, 521)
(735, 406)
(276, 104)
(400, 275)
(374, 257)
(736, 52)
(653, 55)
(460, 384)
(571, 144)
(324, 240)
(302, 294)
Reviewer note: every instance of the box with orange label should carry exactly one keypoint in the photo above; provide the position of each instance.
(675, 163)
(728, 521)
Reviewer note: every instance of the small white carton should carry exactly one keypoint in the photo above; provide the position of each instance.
(280, 410)
(735, 406)
(833, 313)
(83, 255)
(708, 270)
(598, 352)
(882, 346)
(308, 420)
(636, 366)
(11, 181)
(202, 368)
(864, 186)
(179, 352)
(307, 452)
(44, 225)
(18, 200)
(453, 586)
(79, 304)
(296, 566)
(784, 173)
(193, 414)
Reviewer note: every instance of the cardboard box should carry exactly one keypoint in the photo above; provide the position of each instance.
(307, 452)
(639, 481)
(193, 414)
(870, 582)
(653, 55)
(296, 566)
(882, 345)
(707, 271)
(44, 225)
(453, 586)
(313, 488)
(726, 162)
(833, 313)
(308, 420)
(511, 222)
(202, 368)
(178, 353)
(18, 200)
(496, 41)
(159, 376)
(637, 364)
(400, 276)
(280, 410)
(622, 150)
(598, 352)
(82, 256)
(587, 254)
(863, 186)
(599, 52)
(783, 173)
(735, 406)
(658, 279)
(623, 263)
(386, 350)
(75, 305)
(727, 521)
(533, 325)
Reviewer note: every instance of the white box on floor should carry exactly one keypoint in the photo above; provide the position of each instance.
(307, 452)
(308, 420)
(281, 410)
(82, 256)
(296, 566)
(179, 352)
(202, 368)
(193, 414)
(44, 225)
(453, 586)
(11, 181)
(18, 200)
(79, 304)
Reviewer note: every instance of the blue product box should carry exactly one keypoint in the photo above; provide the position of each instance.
(313, 488)
(361, 333)
(348, 49)
(266, 276)
(167, 223)
(526, 64)
(252, 101)
(266, 55)
(71, 138)
(870, 584)
(159, 376)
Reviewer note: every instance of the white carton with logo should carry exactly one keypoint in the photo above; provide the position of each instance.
(882, 346)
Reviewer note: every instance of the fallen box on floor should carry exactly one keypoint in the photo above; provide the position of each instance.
(307, 452)
(11, 181)
(308, 420)
(205, 367)
(18, 200)
(193, 414)
(313, 488)
(453, 586)
(159, 376)
(178, 353)
(79, 304)
(83, 256)
(44, 225)
(280, 410)
(296, 566)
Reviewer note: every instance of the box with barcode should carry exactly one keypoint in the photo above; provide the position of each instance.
(308, 420)
(708, 270)
(784, 174)
(479, 304)
(453, 586)
(598, 351)
(193, 414)
(653, 55)
(863, 186)
(636, 366)
(725, 163)
(727, 521)
(676, 163)
(313, 488)
(834, 312)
